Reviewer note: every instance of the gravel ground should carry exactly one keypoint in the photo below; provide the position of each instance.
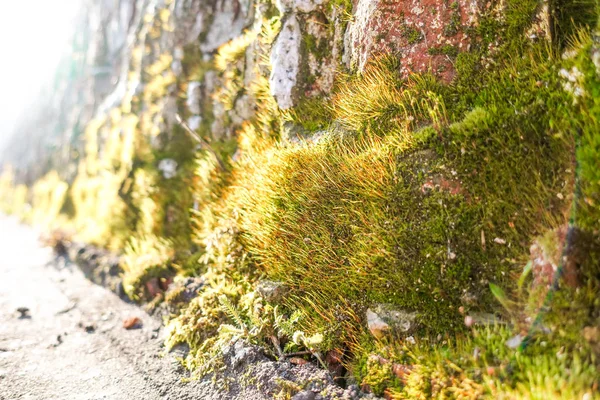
(71, 343)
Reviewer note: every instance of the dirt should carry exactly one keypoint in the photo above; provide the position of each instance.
(63, 337)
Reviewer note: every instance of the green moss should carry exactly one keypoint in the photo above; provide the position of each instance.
(479, 365)
(412, 35)
(365, 208)
(453, 26)
(352, 221)
(571, 15)
(418, 195)
(447, 49)
(312, 114)
(319, 47)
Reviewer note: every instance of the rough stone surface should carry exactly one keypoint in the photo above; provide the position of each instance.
(304, 6)
(384, 319)
(413, 30)
(194, 97)
(194, 122)
(378, 327)
(271, 291)
(285, 62)
(227, 23)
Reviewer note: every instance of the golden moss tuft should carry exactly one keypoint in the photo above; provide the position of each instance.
(141, 256)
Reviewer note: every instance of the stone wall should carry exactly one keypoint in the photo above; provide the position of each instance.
(119, 45)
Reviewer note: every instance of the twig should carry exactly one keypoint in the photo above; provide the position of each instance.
(277, 347)
(203, 143)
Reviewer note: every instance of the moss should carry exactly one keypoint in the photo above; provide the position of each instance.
(311, 114)
(417, 195)
(479, 365)
(453, 26)
(144, 258)
(13, 197)
(571, 15)
(412, 35)
(447, 49)
(412, 236)
(319, 47)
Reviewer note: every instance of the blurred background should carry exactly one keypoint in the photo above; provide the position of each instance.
(59, 57)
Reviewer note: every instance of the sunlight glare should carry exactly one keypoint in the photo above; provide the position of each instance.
(33, 36)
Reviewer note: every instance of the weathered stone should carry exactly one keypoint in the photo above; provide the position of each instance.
(132, 323)
(304, 395)
(194, 122)
(271, 291)
(304, 6)
(514, 341)
(153, 287)
(170, 111)
(285, 62)
(424, 33)
(480, 318)
(378, 327)
(194, 97)
(226, 24)
(384, 319)
(540, 26)
(177, 67)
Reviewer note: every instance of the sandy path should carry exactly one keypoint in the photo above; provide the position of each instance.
(51, 355)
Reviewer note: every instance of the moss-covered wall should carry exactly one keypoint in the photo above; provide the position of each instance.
(397, 197)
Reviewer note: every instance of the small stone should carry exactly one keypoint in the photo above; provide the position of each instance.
(132, 323)
(468, 321)
(177, 67)
(499, 241)
(168, 167)
(304, 395)
(366, 388)
(154, 334)
(23, 312)
(514, 341)
(297, 361)
(285, 63)
(384, 318)
(485, 319)
(591, 334)
(194, 122)
(376, 325)
(194, 97)
(271, 291)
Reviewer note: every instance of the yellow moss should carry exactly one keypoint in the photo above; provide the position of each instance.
(141, 255)
(13, 198)
(233, 50)
(48, 196)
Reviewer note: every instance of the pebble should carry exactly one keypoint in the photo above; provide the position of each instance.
(304, 395)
